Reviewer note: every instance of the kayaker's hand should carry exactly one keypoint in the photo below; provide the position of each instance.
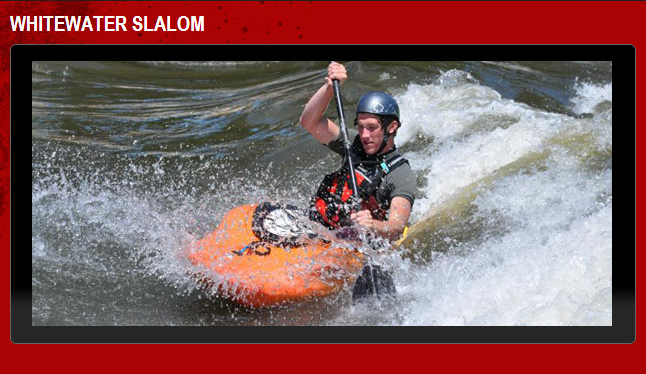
(335, 71)
(363, 219)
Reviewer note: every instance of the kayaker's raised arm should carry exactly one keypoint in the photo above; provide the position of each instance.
(313, 117)
(386, 199)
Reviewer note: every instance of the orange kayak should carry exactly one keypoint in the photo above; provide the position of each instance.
(257, 274)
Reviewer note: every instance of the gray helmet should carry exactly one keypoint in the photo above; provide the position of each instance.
(378, 103)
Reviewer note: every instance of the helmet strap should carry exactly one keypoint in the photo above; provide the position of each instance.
(384, 126)
(387, 135)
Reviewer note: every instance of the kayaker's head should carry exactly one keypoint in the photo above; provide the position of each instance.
(377, 121)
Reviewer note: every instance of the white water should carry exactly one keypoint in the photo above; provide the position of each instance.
(550, 262)
(553, 263)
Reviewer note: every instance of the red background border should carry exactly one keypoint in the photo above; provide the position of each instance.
(316, 22)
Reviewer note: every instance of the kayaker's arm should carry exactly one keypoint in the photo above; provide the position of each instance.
(391, 229)
(313, 119)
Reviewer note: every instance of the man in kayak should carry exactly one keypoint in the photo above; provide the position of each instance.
(385, 180)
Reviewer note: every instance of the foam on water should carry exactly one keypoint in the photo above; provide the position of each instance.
(552, 267)
(541, 179)
(475, 132)
(551, 262)
(590, 97)
(448, 108)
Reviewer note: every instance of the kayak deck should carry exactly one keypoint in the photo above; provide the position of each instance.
(265, 274)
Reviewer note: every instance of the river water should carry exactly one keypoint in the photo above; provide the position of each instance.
(133, 161)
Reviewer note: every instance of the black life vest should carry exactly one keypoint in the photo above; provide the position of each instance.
(331, 206)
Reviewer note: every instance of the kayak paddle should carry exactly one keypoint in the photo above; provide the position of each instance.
(346, 144)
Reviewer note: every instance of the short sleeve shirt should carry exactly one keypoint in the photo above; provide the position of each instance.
(399, 182)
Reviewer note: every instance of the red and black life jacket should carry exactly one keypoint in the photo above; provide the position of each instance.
(331, 206)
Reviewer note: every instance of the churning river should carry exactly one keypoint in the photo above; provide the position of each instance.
(132, 161)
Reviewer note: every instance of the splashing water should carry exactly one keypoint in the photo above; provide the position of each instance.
(512, 224)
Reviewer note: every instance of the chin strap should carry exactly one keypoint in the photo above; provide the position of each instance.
(384, 141)
(386, 134)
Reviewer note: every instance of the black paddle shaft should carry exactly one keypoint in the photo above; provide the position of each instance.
(346, 143)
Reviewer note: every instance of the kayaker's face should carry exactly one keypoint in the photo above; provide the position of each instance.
(371, 132)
